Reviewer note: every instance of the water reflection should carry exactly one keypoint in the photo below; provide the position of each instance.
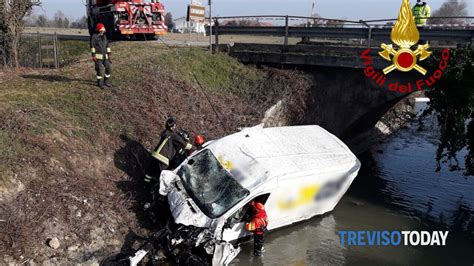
(408, 161)
(452, 102)
(313, 242)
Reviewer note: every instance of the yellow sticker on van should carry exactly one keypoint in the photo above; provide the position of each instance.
(306, 195)
(226, 164)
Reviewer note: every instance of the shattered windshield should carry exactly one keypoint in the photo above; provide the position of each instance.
(212, 187)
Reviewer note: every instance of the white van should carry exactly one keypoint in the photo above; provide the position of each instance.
(297, 172)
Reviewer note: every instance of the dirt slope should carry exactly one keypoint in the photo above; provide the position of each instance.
(72, 155)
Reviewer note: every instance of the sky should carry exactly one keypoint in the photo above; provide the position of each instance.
(348, 9)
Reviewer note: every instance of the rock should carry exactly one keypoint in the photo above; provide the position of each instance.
(73, 248)
(53, 243)
(92, 262)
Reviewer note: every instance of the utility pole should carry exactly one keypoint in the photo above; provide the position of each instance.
(210, 26)
(312, 9)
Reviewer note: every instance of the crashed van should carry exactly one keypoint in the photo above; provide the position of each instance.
(296, 172)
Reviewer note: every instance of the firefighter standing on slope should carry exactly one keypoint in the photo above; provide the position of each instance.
(421, 11)
(257, 225)
(101, 56)
(165, 151)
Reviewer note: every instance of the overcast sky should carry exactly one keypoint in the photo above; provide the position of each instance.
(350, 9)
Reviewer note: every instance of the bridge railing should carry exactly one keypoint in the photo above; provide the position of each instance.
(459, 30)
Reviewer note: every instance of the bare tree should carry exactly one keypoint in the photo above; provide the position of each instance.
(80, 23)
(450, 8)
(60, 20)
(12, 24)
(42, 21)
(30, 19)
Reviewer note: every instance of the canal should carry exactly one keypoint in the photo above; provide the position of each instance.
(398, 188)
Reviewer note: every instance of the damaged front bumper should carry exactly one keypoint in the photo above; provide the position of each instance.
(188, 245)
(194, 240)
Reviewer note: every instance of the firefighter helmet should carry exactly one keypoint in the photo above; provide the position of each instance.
(100, 27)
(199, 140)
(170, 123)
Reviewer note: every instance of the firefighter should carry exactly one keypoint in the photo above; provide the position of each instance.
(165, 151)
(257, 225)
(182, 153)
(422, 12)
(101, 56)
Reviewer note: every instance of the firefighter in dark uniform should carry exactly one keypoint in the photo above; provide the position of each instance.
(101, 56)
(258, 224)
(165, 151)
(182, 153)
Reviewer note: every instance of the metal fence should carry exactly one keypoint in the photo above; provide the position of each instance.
(39, 50)
(459, 30)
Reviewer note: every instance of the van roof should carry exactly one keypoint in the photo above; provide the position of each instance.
(257, 155)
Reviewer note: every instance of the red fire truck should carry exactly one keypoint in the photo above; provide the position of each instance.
(138, 19)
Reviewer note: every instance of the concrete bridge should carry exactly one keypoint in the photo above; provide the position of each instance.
(344, 100)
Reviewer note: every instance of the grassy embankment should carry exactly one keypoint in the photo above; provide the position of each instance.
(36, 103)
(70, 152)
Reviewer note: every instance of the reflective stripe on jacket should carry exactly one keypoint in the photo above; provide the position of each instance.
(100, 46)
(160, 157)
(257, 225)
(170, 144)
(421, 13)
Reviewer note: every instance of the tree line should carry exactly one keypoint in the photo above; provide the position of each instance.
(59, 20)
(450, 8)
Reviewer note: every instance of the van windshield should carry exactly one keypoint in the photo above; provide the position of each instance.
(212, 187)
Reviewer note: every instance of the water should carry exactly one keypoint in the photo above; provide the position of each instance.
(396, 189)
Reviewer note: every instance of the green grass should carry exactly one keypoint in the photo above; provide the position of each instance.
(67, 101)
(218, 72)
(69, 51)
(11, 149)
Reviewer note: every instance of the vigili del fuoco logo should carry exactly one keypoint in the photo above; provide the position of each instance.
(405, 35)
